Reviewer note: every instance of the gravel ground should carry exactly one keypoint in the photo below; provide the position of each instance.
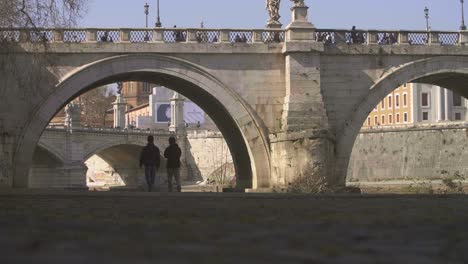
(80, 227)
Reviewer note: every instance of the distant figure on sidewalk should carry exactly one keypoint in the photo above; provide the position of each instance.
(150, 158)
(172, 154)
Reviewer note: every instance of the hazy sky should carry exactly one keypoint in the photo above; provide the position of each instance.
(365, 14)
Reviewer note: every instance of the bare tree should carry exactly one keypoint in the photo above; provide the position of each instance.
(95, 104)
(41, 13)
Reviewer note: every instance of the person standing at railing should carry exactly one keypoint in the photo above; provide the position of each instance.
(178, 35)
(354, 38)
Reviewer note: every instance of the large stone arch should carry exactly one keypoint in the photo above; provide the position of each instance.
(446, 71)
(243, 130)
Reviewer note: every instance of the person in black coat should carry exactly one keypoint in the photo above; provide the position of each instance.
(150, 158)
(173, 154)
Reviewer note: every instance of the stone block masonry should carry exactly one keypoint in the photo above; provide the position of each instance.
(418, 153)
(208, 157)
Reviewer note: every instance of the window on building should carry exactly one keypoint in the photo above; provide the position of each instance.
(383, 120)
(424, 99)
(397, 101)
(405, 99)
(397, 117)
(390, 102)
(405, 85)
(425, 116)
(457, 99)
(376, 121)
(390, 119)
(382, 104)
(405, 117)
(368, 121)
(458, 116)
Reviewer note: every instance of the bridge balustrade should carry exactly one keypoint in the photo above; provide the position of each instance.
(388, 37)
(160, 35)
(203, 35)
(109, 130)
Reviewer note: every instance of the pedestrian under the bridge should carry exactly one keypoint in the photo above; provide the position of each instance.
(150, 158)
(173, 154)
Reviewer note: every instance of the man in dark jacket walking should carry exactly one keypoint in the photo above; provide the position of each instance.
(172, 154)
(150, 158)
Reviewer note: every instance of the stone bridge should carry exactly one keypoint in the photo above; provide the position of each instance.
(289, 102)
(59, 159)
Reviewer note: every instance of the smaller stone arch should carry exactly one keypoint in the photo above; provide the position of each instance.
(436, 70)
(51, 150)
(95, 149)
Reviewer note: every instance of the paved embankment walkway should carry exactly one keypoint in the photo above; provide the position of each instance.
(80, 227)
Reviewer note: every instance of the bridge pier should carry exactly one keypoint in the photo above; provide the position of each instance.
(303, 153)
(69, 176)
(6, 159)
(303, 161)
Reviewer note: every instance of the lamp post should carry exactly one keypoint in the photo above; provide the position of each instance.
(146, 13)
(426, 13)
(462, 27)
(158, 19)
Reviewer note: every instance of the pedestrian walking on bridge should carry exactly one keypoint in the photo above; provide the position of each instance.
(173, 154)
(150, 158)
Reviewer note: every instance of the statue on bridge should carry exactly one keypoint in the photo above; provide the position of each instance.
(119, 88)
(298, 3)
(72, 115)
(273, 7)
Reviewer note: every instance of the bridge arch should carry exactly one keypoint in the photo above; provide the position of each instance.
(44, 155)
(450, 72)
(59, 157)
(107, 145)
(243, 130)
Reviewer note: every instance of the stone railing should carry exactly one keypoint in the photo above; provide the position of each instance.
(154, 35)
(109, 131)
(389, 37)
(205, 35)
(416, 127)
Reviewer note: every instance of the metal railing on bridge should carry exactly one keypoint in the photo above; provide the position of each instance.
(388, 37)
(156, 35)
(205, 35)
(125, 131)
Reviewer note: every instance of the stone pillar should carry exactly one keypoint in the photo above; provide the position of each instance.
(448, 104)
(177, 114)
(6, 157)
(303, 154)
(303, 161)
(120, 107)
(440, 104)
(463, 39)
(73, 176)
(300, 28)
(152, 104)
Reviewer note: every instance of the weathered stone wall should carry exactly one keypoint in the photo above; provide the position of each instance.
(208, 157)
(419, 153)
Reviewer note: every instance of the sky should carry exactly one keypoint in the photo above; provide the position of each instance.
(339, 14)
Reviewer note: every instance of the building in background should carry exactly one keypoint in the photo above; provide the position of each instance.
(156, 113)
(136, 94)
(416, 103)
